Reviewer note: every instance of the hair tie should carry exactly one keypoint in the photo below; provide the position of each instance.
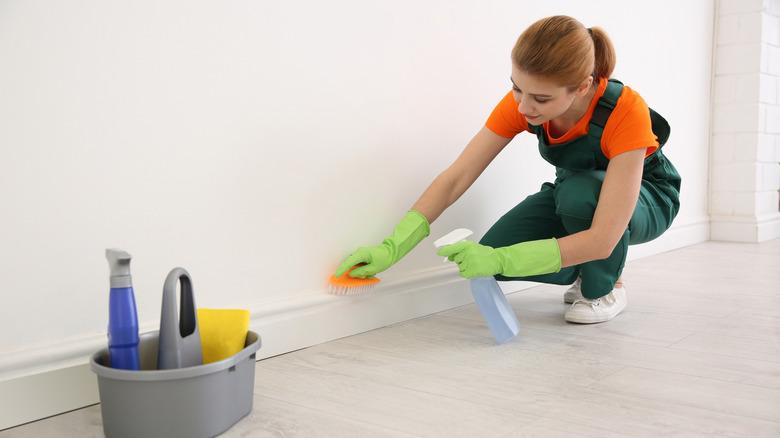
(590, 31)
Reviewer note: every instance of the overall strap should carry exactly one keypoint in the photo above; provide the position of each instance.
(604, 108)
(538, 130)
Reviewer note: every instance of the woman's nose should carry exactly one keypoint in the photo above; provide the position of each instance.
(524, 107)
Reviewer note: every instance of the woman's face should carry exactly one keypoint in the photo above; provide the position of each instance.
(540, 100)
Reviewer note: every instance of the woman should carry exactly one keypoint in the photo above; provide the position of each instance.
(613, 186)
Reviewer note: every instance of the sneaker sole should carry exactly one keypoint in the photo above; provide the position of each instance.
(579, 320)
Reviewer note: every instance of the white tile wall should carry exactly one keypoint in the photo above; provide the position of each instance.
(766, 202)
(725, 88)
(777, 87)
(773, 119)
(768, 194)
(731, 203)
(728, 7)
(740, 28)
(765, 148)
(765, 61)
(770, 30)
(741, 88)
(745, 147)
(744, 203)
(773, 58)
(720, 204)
(723, 148)
(735, 177)
(738, 58)
(736, 117)
(777, 148)
(745, 174)
(770, 176)
(746, 88)
(767, 88)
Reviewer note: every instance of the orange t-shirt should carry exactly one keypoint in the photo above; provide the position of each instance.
(628, 127)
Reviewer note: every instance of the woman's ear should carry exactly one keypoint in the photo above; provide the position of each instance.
(585, 86)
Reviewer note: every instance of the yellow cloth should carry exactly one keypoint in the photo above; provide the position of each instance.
(222, 332)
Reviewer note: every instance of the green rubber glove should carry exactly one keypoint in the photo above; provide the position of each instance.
(520, 260)
(412, 229)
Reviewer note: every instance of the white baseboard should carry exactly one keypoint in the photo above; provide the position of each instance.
(42, 395)
(679, 235)
(42, 382)
(746, 228)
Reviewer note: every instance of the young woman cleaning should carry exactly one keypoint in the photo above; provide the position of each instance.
(614, 187)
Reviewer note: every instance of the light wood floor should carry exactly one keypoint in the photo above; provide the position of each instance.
(697, 353)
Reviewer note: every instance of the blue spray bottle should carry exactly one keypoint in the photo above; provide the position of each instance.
(122, 315)
(498, 314)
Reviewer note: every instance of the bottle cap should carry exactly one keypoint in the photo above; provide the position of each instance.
(119, 264)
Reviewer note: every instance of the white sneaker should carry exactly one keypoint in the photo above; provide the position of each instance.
(573, 293)
(585, 311)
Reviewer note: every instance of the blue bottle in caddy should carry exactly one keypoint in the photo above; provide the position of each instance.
(122, 315)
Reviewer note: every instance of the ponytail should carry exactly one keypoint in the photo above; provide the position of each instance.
(604, 55)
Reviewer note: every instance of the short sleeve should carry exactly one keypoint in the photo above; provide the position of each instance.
(629, 127)
(505, 120)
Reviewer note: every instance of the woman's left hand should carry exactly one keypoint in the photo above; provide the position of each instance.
(523, 259)
(473, 259)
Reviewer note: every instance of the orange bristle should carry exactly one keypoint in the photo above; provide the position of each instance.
(346, 285)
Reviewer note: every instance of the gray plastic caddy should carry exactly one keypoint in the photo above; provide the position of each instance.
(198, 401)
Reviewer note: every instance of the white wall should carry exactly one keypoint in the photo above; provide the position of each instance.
(746, 122)
(258, 143)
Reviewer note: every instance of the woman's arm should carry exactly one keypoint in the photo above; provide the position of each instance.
(442, 192)
(461, 174)
(616, 204)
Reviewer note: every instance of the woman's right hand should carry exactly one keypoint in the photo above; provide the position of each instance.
(376, 258)
(407, 234)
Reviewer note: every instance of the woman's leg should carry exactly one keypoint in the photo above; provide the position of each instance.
(576, 198)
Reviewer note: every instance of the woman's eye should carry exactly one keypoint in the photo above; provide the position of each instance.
(517, 90)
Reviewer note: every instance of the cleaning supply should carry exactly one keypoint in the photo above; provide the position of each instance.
(193, 402)
(179, 344)
(410, 231)
(453, 236)
(222, 332)
(122, 314)
(346, 285)
(492, 303)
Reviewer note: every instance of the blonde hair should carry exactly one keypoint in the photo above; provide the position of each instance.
(561, 49)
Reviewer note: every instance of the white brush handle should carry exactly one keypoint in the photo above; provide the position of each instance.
(453, 236)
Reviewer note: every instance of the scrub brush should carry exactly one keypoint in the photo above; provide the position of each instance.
(346, 285)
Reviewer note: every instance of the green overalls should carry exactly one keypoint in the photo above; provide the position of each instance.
(567, 206)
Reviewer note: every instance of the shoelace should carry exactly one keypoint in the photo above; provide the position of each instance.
(591, 303)
(608, 298)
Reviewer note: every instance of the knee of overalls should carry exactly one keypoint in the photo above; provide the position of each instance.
(577, 195)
